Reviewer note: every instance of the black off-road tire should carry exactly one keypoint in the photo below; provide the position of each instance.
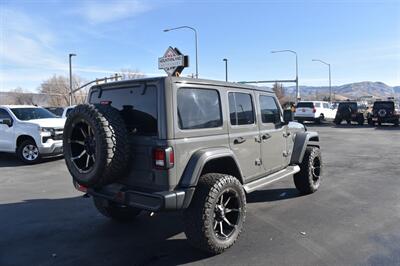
(337, 121)
(115, 211)
(396, 123)
(200, 217)
(360, 120)
(111, 146)
(20, 151)
(308, 180)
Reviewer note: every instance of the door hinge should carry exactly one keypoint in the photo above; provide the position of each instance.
(257, 139)
(258, 161)
(285, 154)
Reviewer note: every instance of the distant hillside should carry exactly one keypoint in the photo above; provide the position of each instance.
(352, 90)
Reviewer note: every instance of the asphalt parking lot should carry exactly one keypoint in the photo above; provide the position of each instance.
(354, 219)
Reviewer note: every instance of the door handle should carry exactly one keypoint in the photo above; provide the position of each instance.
(239, 140)
(286, 134)
(265, 136)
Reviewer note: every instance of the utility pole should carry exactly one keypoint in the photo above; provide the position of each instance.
(330, 82)
(70, 78)
(297, 71)
(226, 69)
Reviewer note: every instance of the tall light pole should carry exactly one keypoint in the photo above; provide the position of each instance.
(330, 84)
(195, 40)
(226, 69)
(70, 78)
(297, 71)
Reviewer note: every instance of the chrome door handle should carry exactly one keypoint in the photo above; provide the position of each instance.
(239, 140)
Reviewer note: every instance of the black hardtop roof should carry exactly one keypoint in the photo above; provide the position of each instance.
(184, 80)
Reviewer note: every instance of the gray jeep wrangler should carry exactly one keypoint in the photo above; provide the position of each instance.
(169, 143)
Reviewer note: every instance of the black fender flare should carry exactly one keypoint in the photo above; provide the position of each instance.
(301, 141)
(199, 159)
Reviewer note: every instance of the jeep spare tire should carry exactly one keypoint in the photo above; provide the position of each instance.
(95, 144)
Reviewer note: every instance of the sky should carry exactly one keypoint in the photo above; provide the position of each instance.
(360, 39)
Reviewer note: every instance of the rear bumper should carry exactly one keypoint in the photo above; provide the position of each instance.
(151, 201)
(304, 118)
(392, 119)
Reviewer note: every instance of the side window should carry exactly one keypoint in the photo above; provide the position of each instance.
(317, 105)
(241, 108)
(199, 108)
(269, 110)
(326, 106)
(4, 114)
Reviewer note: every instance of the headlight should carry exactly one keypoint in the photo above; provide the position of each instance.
(47, 130)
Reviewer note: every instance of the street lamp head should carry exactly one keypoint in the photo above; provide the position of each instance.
(72, 55)
(166, 30)
(225, 59)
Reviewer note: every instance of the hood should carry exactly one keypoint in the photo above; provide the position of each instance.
(49, 122)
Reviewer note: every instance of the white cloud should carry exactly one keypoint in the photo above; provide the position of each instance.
(27, 41)
(103, 12)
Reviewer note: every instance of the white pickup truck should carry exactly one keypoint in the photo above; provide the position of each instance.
(316, 111)
(30, 131)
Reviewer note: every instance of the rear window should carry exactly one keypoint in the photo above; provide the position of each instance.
(137, 106)
(351, 105)
(198, 108)
(318, 105)
(305, 105)
(388, 105)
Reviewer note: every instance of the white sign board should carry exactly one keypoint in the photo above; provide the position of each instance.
(171, 61)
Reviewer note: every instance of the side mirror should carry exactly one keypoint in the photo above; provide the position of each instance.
(6, 121)
(287, 116)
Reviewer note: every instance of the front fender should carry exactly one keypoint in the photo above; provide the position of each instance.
(301, 141)
(196, 163)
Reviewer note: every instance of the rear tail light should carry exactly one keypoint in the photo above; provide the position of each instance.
(314, 110)
(80, 187)
(163, 158)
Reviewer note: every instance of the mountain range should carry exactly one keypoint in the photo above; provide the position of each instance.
(348, 91)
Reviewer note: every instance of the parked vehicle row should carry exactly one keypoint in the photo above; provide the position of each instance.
(349, 111)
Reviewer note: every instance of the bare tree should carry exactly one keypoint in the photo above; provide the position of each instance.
(21, 97)
(280, 92)
(57, 87)
(131, 74)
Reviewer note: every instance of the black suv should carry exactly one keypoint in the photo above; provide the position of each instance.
(350, 111)
(385, 112)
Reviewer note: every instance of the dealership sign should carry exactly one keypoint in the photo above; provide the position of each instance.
(173, 62)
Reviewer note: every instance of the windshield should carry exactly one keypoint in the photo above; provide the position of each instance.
(305, 104)
(25, 114)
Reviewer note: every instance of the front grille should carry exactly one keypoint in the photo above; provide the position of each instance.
(57, 134)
